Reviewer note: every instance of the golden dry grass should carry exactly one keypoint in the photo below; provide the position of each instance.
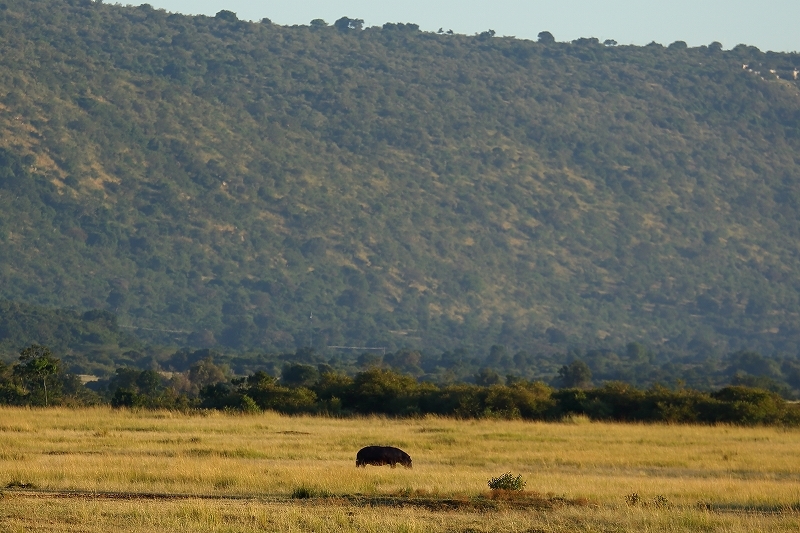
(90, 515)
(241, 471)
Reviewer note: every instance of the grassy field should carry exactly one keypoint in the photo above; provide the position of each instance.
(106, 470)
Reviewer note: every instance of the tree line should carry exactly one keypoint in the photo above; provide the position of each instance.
(93, 343)
(38, 379)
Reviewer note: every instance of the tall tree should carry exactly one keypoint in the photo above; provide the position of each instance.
(345, 23)
(37, 365)
(576, 374)
(545, 37)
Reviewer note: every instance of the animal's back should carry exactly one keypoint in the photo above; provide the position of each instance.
(382, 455)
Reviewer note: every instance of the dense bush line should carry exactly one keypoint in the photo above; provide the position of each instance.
(379, 391)
(38, 380)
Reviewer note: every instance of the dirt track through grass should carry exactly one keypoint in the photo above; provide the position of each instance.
(488, 502)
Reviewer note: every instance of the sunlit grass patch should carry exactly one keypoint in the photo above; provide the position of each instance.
(265, 457)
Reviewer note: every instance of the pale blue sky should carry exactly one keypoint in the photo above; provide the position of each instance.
(767, 24)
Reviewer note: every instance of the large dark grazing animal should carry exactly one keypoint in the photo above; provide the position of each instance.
(382, 455)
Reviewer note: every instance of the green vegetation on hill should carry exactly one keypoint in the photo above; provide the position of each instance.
(217, 181)
(89, 342)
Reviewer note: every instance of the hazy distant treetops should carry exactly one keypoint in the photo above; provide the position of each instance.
(223, 178)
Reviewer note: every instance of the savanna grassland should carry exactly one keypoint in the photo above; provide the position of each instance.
(112, 470)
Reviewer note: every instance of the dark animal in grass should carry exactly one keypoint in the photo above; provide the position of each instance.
(382, 455)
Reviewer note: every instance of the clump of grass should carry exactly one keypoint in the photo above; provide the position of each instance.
(302, 493)
(408, 492)
(507, 481)
(224, 483)
(576, 419)
(17, 484)
(660, 501)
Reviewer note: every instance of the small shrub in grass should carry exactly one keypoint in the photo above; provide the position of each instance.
(302, 493)
(660, 501)
(507, 482)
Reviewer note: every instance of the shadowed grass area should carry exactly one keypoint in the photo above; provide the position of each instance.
(56, 513)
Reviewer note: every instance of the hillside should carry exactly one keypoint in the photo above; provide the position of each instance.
(221, 180)
(85, 342)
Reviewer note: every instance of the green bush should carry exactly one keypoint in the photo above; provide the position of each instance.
(248, 405)
(507, 482)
